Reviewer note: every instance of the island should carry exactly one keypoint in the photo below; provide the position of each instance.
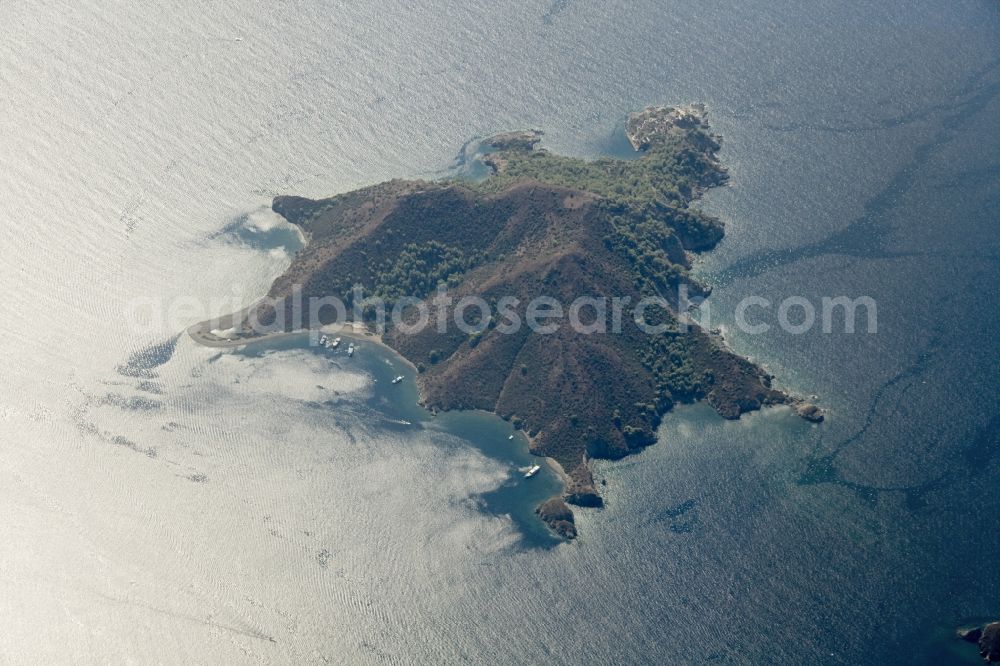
(547, 225)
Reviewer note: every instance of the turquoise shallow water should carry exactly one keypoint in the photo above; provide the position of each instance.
(395, 408)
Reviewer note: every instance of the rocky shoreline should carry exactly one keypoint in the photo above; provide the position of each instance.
(986, 638)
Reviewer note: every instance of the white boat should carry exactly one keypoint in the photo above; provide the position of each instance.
(397, 379)
(533, 470)
(350, 350)
(510, 437)
(335, 343)
(224, 334)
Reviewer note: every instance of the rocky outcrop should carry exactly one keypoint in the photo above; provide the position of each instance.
(581, 489)
(520, 140)
(558, 517)
(987, 638)
(652, 124)
(989, 642)
(970, 635)
(810, 412)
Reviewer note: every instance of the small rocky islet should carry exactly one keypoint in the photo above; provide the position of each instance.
(986, 638)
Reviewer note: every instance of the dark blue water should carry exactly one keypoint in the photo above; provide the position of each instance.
(862, 145)
(863, 148)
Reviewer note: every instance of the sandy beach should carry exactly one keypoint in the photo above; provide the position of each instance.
(218, 332)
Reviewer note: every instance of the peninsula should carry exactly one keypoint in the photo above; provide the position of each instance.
(541, 225)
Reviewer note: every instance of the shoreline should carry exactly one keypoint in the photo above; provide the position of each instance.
(358, 232)
(205, 335)
(202, 334)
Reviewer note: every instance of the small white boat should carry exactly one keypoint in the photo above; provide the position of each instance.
(335, 343)
(397, 379)
(510, 437)
(350, 350)
(322, 340)
(225, 334)
(533, 470)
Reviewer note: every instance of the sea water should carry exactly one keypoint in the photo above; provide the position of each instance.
(169, 502)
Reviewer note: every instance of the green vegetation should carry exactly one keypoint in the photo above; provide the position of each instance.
(646, 198)
(668, 174)
(669, 358)
(419, 269)
(646, 203)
